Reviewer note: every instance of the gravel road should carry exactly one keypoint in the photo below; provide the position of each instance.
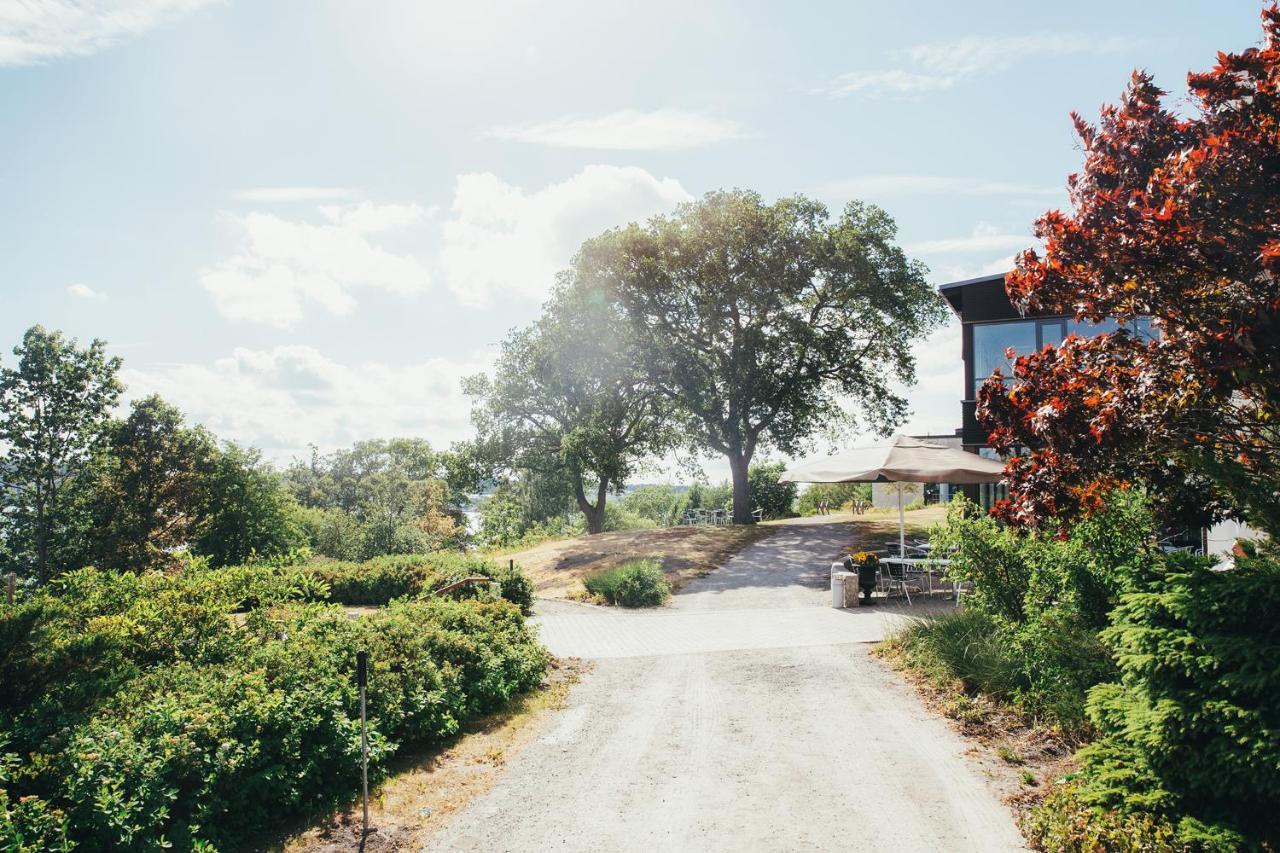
(748, 715)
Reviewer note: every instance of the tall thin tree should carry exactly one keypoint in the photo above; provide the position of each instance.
(54, 407)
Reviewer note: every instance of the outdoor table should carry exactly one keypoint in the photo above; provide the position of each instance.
(913, 562)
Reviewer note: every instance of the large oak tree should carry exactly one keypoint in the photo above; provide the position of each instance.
(763, 323)
(1175, 216)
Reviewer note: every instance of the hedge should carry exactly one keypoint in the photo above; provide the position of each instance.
(139, 714)
(382, 579)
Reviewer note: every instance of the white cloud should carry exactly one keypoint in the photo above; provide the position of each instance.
(894, 81)
(36, 32)
(283, 398)
(282, 264)
(985, 238)
(960, 272)
(499, 238)
(972, 55)
(941, 65)
(283, 195)
(873, 186)
(935, 398)
(625, 130)
(87, 293)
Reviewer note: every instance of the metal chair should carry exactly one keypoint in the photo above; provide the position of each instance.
(893, 574)
(919, 547)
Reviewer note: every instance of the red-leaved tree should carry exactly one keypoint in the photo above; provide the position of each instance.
(1177, 218)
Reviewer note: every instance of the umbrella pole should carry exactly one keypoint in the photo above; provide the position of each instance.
(902, 526)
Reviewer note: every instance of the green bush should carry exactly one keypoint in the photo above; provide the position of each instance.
(1064, 824)
(332, 531)
(776, 499)
(660, 504)
(1029, 634)
(1191, 730)
(145, 716)
(1169, 665)
(967, 646)
(836, 495)
(638, 583)
(383, 579)
(704, 496)
(28, 825)
(620, 517)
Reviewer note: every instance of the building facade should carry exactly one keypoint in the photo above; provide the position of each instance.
(989, 326)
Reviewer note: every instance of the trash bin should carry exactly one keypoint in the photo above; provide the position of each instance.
(844, 589)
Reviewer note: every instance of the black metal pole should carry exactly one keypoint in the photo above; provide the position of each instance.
(362, 677)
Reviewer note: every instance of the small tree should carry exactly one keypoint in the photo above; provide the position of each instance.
(54, 407)
(759, 321)
(393, 491)
(570, 392)
(251, 513)
(1174, 219)
(149, 495)
(775, 499)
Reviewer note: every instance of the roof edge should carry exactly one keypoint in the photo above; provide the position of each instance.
(982, 279)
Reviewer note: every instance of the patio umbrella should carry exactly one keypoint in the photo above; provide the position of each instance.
(904, 460)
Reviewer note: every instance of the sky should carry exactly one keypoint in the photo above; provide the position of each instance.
(305, 222)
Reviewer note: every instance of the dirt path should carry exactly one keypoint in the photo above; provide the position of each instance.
(747, 716)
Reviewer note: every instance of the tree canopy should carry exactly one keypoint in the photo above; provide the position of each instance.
(570, 393)
(54, 406)
(380, 496)
(1174, 219)
(252, 515)
(149, 495)
(764, 323)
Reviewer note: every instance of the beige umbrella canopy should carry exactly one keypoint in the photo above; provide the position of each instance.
(904, 460)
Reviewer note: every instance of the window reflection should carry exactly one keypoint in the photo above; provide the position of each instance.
(1141, 328)
(990, 340)
(989, 493)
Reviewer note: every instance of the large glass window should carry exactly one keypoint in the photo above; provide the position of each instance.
(990, 340)
(1141, 328)
(989, 493)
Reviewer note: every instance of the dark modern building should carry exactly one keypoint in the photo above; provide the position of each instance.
(989, 326)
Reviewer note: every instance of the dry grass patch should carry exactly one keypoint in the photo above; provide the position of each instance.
(558, 567)
(879, 528)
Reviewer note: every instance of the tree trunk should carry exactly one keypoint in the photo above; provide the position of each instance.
(739, 464)
(593, 514)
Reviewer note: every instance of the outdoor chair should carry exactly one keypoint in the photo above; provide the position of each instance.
(919, 547)
(891, 576)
